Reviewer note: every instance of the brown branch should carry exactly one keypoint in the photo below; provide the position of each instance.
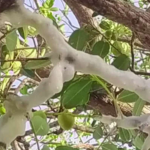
(140, 72)
(6, 4)
(25, 59)
(83, 14)
(132, 49)
(124, 13)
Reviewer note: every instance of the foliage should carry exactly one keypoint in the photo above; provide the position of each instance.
(21, 61)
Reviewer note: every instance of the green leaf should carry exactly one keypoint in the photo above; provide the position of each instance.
(28, 53)
(40, 125)
(105, 25)
(138, 142)
(114, 37)
(108, 34)
(36, 64)
(122, 62)
(23, 31)
(40, 113)
(24, 90)
(77, 93)
(7, 65)
(138, 107)
(16, 67)
(79, 39)
(65, 148)
(45, 147)
(108, 146)
(50, 3)
(101, 48)
(98, 133)
(127, 96)
(2, 109)
(54, 9)
(11, 40)
(124, 135)
(66, 85)
(28, 73)
(116, 48)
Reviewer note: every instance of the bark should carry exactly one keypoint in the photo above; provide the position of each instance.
(124, 13)
(104, 105)
(82, 13)
(6, 4)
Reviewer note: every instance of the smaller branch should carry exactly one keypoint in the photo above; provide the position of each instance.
(69, 20)
(132, 49)
(108, 135)
(25, 59)
(37, 5)
(140, 72)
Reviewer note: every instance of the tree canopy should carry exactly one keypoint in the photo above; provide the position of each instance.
(72, 86)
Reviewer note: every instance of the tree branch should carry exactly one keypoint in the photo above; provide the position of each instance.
(124, 13)
(66, 61)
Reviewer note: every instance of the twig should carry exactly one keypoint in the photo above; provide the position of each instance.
(69, 20)
(132, 49)
(140, 73)
(37, 5)
(109, 134)
(25, 59)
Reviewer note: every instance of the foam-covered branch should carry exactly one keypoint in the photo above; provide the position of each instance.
(133, 122)
(141, 123)
(12, 124)
(48, 87)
